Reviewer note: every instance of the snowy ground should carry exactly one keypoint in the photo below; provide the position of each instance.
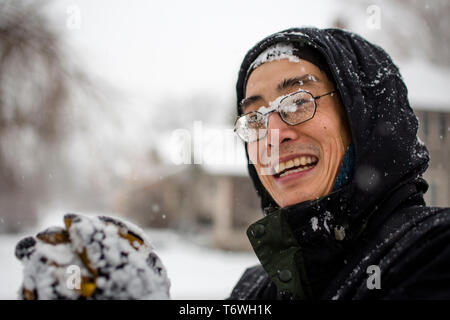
(195, 271)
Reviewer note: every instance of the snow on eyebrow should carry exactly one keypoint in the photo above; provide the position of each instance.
(276, 102)
(265, 110)
(278, 51)
(273, 105)
(297, 81)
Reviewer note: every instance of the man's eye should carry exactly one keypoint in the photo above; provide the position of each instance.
(300, 102)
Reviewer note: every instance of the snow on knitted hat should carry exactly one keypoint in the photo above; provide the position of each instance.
(278, 51)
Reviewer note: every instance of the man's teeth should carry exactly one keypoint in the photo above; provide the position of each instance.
(296, 170)
(303, 161)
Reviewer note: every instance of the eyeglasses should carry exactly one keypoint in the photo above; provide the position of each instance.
(295, 108)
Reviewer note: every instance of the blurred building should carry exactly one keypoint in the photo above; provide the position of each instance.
(429, 97)
(434, 131)
(196, 200)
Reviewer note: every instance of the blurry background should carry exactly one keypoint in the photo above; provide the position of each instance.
(91, 93)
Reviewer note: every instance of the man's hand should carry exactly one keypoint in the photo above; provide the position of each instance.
(91, 258)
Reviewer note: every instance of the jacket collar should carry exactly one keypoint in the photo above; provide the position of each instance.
(297, 245)
(303, 247)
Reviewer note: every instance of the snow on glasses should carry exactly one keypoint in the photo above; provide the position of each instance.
(294, 108)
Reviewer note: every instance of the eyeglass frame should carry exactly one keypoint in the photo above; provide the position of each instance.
(276, 109)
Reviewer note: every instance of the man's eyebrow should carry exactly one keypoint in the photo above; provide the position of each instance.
(247, 101)
(306, 79)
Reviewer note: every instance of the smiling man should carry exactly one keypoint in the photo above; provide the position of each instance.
(334, 156)
(310, 153)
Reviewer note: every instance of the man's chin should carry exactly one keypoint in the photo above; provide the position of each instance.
(293, 199)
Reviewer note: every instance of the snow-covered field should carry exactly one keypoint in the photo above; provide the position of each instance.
(195, 271)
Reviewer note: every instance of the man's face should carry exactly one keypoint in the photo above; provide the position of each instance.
(311, 151)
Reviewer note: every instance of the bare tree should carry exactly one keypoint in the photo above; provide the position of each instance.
(35, 83)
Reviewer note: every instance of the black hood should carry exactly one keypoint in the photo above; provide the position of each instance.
(388, 153)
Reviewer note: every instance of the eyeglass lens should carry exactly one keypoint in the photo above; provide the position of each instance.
(293, 109)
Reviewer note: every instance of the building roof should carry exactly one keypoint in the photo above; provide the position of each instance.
(428, 85)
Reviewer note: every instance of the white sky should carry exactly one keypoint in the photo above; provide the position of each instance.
(151, 47)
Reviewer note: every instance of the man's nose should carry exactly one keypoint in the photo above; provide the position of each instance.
(286, 132)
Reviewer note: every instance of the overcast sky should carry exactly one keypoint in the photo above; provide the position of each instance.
(176, 46)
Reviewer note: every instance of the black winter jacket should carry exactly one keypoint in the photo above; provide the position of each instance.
(378, 220)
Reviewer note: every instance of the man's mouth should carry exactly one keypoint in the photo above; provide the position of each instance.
(295, 165)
